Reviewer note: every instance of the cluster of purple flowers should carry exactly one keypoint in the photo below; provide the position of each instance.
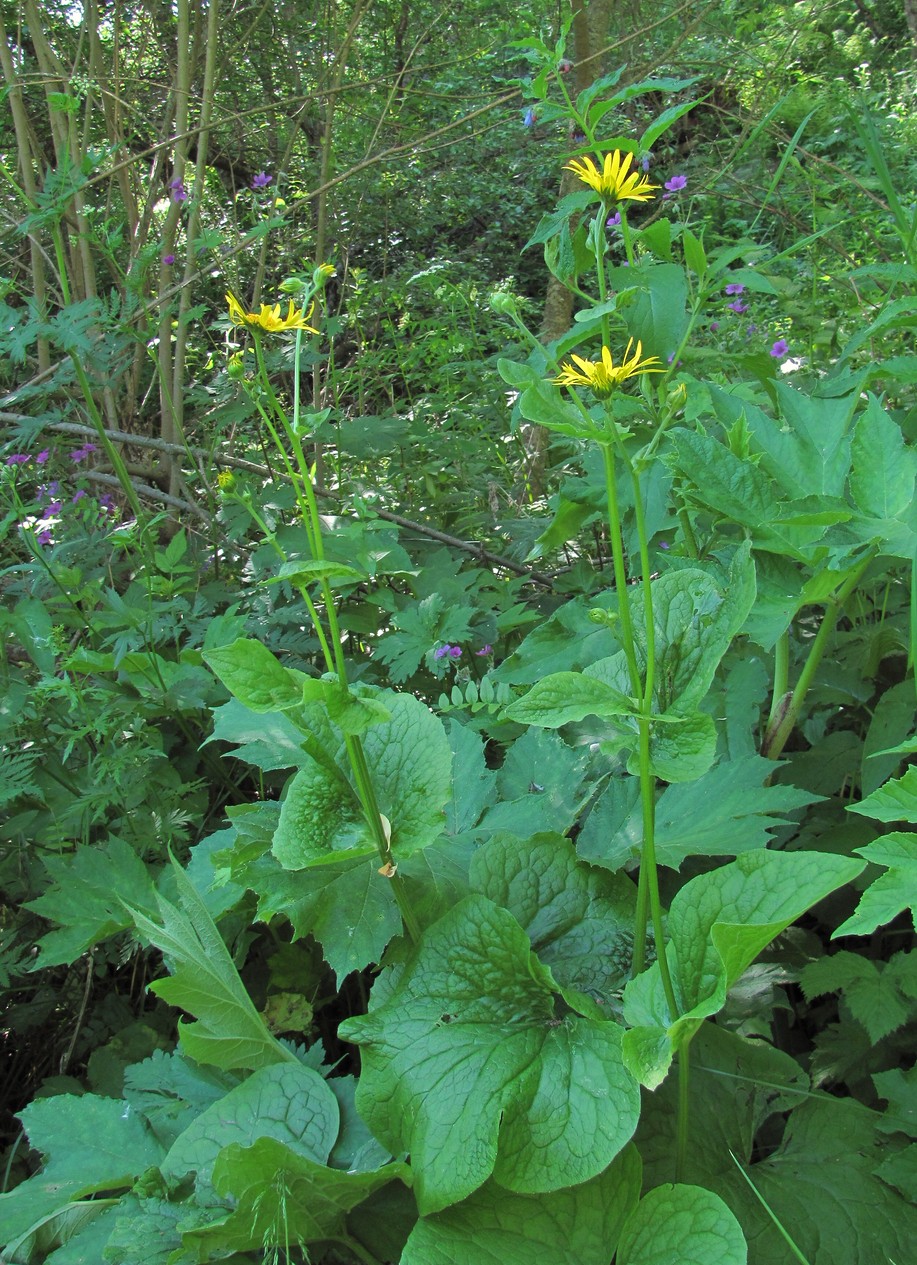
(455, 652)
(49, 498)
(735, 290)
(178, 190)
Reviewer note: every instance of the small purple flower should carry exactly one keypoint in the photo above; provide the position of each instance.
(735, 288)
(676, 183)
(613, 220)
(43, 456)
(714, 326)
(80, 454)
(18, 459)
(485, 650)
(262, 180)
(107, 502)
(179, 192)
(529, 118)
(78, 496)
(455, 652)
(44, 537)
(664, 544)
(738, 306)
(168, 260)
(645, 164)
(780, 348)
(441, 651)
(50, 510)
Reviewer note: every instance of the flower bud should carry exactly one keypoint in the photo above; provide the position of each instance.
(503, 304)
(226, 480)
(235, 367)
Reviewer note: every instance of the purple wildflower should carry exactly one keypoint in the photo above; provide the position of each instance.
(18, 458)
(50, 510)
(714, 326)
(168, 260)
(44, 537)
(735, 288)
(43, 456)
(664, 544)
(80, 454)
(613, 220)
(676, 183)
(455, 652)
(529, 118)
(645, 164)
(488, 649)
(738, 306)
(78, 496)
(107, 502)
(179, 192)
(780, 348)
(262, 180)
(441, 651)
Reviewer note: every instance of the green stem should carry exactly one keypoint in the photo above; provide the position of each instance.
(787, 714)
(781, 674)
(620, 573)
(690, 539)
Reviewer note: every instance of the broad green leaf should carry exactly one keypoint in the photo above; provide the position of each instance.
(204, 981)
(884, 469)
(729, 810)
(89, 1144)
(291, 1104)
(309, 569)
(256, 677)
(169, 1090)
(680, 751)
(567, 641)
(684, 1224)
(269, 741)
(410, 764)
(880, 995)
(657, 316)
(543, 785)
(577, 1226)
(567, 696)
(895, 801)
(580, 921)
(472, 781)
(891, 893)
(353, 712)
(281, 1198)
(346, 905)
(718, 923)
(90, 887)
(695, 257)
(822, 1186)
(466, 1067)
(891, 723)
(145, 1231)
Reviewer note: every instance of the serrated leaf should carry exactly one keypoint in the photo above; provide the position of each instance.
(269, 741)
(290, 1104)
(346, 905)
(891, 893)
(684, 1224)
(870, 988)
(255, 676)
(895, 801)
(309, 569)
(229, 1032)
(465, 1066)
(578, 1226)
(89, 1143)
(89, 890)
(884, 469)
(680, 751)
(281, 1198)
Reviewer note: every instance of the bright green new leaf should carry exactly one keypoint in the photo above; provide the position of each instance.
(682, 1225)
(291, 1104)
(321, 821)
(89, 1143)
(891, 893)
(680, 751)
(567, 696)
(204, 981)
(281, 1198)
(269, 741)
(695, 256)
(718, 923)
(895, 801)
(466, 1067)
(576, 1226)
(309, 569)
(256, 677)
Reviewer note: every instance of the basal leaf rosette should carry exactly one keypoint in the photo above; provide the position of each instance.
(475, 1066)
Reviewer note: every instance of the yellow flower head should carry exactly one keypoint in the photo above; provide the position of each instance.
(603, 376)
(226, 480)
(269, 318)
(615, 182)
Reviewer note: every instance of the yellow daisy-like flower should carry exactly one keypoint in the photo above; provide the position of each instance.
(615, 182)
(603, 376)
(269, 318)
